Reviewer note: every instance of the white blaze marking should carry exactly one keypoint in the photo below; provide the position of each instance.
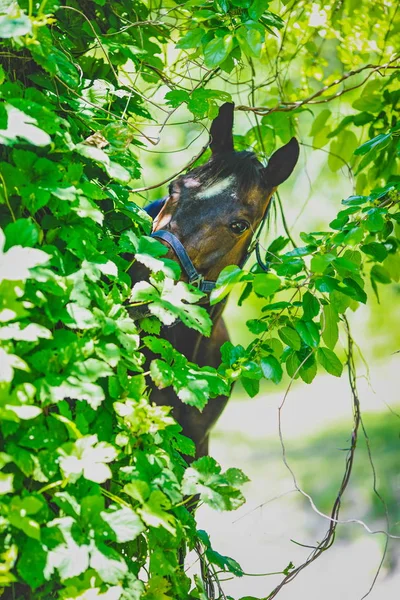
(217, 188)
(191, 182)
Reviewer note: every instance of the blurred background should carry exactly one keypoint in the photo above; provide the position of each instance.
(275, 524)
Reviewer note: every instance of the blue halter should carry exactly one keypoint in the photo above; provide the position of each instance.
(194, 277)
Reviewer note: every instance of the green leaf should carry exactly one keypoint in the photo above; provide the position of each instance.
(328, 359)
(217, 51)
(341, 149)
(292, 365)
(227, 279)
(320, 262)
(110, 565)
(191, 40)
(308, 371)
(375, 220)
(377, 143)
(290, 337)
(6, 483)
(271, 368)
(311, 306)
(113, 169)
(256, 326)
(257, 8)
(376, 250)
(124, 522)
(379, 273)
(218, 490)
(354, 290)
(88, 458)
(308, 332)
(329, 326)
(241, 3)
(32, 563)
(251, 38)
(266, 284)
(13, 25)
(175, 98)
(251, 386)
(22, 232)
(22, 126)
(161, 373)
(154, 512)
(16, 263)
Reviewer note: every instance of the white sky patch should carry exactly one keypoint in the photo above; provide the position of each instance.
(217, 188)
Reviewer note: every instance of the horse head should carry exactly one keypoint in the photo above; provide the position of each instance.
(215, 209)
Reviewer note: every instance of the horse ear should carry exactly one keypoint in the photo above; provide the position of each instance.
(282, 163)
(221, 130)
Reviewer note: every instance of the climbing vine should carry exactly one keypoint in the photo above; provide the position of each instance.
(95, 494)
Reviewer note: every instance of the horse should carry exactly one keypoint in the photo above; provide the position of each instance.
(207, 222)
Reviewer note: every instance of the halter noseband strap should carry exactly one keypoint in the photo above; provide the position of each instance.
(194, 277)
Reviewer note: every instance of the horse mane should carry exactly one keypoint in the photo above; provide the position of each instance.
(244, 165)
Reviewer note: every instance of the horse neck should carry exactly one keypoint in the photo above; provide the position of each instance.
(193, 344)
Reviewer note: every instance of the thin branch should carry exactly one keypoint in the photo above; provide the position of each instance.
(333, 519)
(289, 106)
(187, 166)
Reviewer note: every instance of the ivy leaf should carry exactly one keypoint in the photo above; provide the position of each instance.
(328, 359)
(6, 483)
(21, 125)
(32, 563)
(161, 373)
(88, 458)
(113, 169)
(110, 565)
(217, 489)
(124, 522)
(22, 232)
(251, 38)
(15, 264)
(13, 25)
(69, 558)
(154, 512)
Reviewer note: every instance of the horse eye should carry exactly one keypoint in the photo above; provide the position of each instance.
(239, 226)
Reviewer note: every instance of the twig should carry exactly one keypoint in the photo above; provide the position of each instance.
(187, 166)
(289, 106)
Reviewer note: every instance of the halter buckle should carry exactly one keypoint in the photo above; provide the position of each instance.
(196, 280)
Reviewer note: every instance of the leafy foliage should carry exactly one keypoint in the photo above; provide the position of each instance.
(94, 488)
